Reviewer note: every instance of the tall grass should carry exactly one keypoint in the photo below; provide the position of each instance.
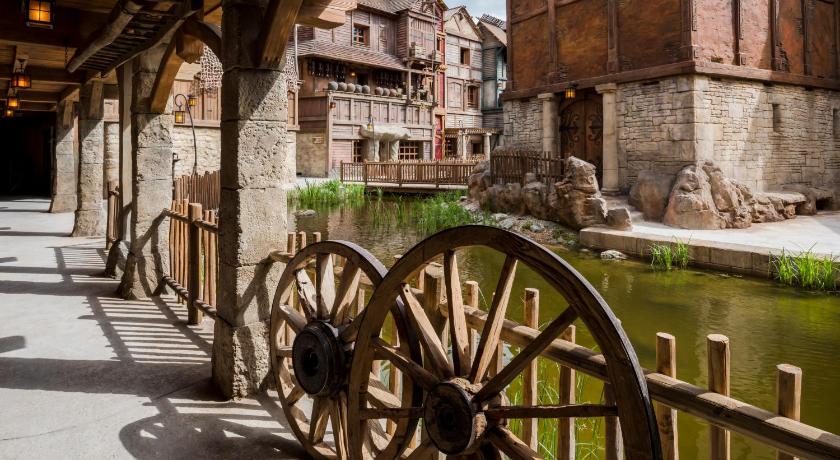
(806, 270)
(328, 194)
(669, 256)
(428, 215)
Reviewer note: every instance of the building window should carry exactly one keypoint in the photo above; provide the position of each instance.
(777, 118)
(478, 148)
(410, 150)
(472, 96)
(465, 56)
(451, 148)
(357, 152)
(361, 35)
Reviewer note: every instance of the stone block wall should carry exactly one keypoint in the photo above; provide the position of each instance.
(311, 153)
(523, 123)
(209, 142)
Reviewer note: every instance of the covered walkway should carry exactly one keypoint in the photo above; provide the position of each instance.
(84, 374)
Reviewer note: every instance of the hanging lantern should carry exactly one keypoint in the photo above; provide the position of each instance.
(39, 13)
(21, 78)
(13, 102)
(180, 116)
(9, 113)
(192, 100)
(570, 92)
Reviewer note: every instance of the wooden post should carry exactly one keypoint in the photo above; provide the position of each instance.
(531, 312)
(316, 236)
(301, 240)
(666, 418)
(196, 316)
(718, 356)
(788, 395)
(567, 388)
(291, 242)
(614, 445)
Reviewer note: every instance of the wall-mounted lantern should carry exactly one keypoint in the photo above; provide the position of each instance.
(571, 92)
(9, 113)
(13, 102)
(192, 101)
(39, 13)
(20, 77)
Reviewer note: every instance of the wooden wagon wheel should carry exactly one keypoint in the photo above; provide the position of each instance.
(311, 350)
(464, 412)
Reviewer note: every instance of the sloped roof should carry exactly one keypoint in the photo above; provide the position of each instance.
(388, 6)
(346, 53)
(448, 14)
(493, 29)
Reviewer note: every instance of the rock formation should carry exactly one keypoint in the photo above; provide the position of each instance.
(650, 194)
(578, 202)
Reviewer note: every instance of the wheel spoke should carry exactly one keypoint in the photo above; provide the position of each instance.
(350, 277)
(418, 375)
(294, 395)
(318, 421)
(428, 335)
(379, 396)
(293, 318)
(392, 413)
(425, 449)
(284, 351)
(512, 446)
(493, 327)
(457, 321)
(338, 414)
(306, 294)
(528, 354)
(325, 276)
(558, 411)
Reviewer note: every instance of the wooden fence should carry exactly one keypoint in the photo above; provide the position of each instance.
(112, 224)
(199, 188)
(509, 166)
(194, 258)
(435, 173)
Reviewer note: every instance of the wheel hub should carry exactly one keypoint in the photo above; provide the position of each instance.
(451, 419)
(319, 359)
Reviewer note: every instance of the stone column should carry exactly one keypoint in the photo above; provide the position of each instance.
(487, 144)
(253, 202)
(151, 183)
(462, 147)
(394, 150)
(65, 173)
(112, 154)
(115, 265)
(90, 220)
(610, 139)
(549, 122)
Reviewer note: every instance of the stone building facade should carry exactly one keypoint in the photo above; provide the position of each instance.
(750, 85)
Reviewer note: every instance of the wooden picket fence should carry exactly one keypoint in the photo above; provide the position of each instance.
(194, 261)
(401, 173)
(199, 188)
(509, 166)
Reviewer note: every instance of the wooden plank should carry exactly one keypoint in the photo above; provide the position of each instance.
(165, 78)
(121, 15)
(567, 389)
(530, 377)
(277, 25)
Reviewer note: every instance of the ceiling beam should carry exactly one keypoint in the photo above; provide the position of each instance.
(34, 96)
(43, 74)
(72, 27)
(120, 16)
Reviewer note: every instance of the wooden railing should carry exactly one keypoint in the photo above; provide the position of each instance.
(199, 188)
(194, 258)
(435, 173)
(112, 223)
(509, 166)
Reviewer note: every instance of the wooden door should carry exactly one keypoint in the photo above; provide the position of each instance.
(582, 129)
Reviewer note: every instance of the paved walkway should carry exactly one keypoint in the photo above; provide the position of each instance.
(86, 375)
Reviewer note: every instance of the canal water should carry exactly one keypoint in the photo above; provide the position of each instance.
(767, 324)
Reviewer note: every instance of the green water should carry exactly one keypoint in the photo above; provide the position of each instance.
(767, 324)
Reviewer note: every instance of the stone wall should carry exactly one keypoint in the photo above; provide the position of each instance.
(209, 142)
(311, 156)
(523, 123)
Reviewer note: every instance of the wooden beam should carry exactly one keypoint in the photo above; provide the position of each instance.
(324, 14)
(738, 15)
(278, 23)
(95, 104)
(33, 96)
(188, 47)
(120, 16)
(43, 74)
(72, 27)
(165, 79)
(613, 62)
(807, 18)
(209, 34)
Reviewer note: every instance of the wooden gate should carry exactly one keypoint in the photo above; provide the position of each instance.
(582, 129)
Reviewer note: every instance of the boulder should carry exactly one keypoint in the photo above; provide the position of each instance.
(576, 201)
(305, 213)
(619, 218)
(691, 204)
(507, 224)
(534, 199)
(812, 195)
(650, 194)
(612, 254)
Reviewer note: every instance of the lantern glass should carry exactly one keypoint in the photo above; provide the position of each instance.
(13, 102)
(39, 13)
(9, 113)
(192, 100)
(571, 93)
(180, 116)
(21, 79)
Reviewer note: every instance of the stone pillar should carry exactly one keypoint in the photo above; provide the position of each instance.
(65, 173)
(112, 154)
(461, 146)
(253, 202)
(549, 122)
(115, 265)
(487, 144)
(90, 219)
(610, 139)
(151, 183)
(394, 150)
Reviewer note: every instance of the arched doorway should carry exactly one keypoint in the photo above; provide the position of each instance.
(582, 129)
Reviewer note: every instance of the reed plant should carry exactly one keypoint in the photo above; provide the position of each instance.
(328, 194)
(667, 256)
(806, 270)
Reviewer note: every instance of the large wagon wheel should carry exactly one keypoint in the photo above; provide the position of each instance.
(311, 351)
(465, 411)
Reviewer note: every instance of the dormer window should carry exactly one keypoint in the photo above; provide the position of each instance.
(361, 35)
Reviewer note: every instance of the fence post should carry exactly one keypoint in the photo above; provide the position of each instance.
(195, 316)
(568, 386)
(531, 312)
(365, 172)
(666, 418)
(612, 429)
(291, 240)
(788, 395)
(719, 365)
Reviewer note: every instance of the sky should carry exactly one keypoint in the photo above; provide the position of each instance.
(479, 7)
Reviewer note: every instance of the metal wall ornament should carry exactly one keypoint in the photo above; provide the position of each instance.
(39, 14)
